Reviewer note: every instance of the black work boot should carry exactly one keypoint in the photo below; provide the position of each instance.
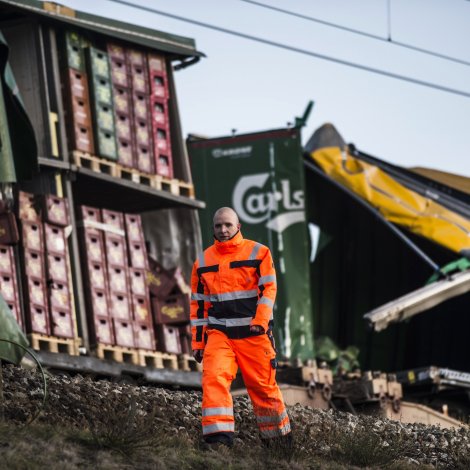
(217, 441)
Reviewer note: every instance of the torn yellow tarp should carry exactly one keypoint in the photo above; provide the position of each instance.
(395, 202)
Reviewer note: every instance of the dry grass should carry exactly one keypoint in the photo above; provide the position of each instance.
(362, 447)
(127, 437)
(123, 429)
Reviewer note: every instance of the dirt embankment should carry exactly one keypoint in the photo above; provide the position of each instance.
(109, 425)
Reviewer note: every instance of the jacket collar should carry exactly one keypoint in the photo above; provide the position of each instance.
(229, 246)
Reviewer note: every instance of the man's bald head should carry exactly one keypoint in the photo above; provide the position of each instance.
(226, 211)
(226, 223)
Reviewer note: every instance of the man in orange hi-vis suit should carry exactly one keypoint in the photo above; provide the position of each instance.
(233, 292)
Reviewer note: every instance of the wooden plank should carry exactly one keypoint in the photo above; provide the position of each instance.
(116, 353)
(152, 359)
(186, 189)
(116, 170)
(99, 165)
(188, 363)
(170, 361)
(54, 344)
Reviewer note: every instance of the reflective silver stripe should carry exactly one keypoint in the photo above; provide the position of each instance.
(236, 295)
(266, 301)
(271, 317)
(229, 322)
(238, 322)
(204, 297)
(254, 251)
(266, 279)
(276, 432)
(216, 321)
(199, 322)
(271, 419)
(202, 262)
(218, 427)
(217, 411)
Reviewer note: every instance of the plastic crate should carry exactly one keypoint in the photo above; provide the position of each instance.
(98, 62)
(37, 319)
(32, 235)
(59, 296)
(168, 339)
(62, 323)
(74, 50)
(144, 159)
(138, 255)
(124, 333)
(134, 230)
(113, 218)
(118, 279)
(34, 263)
(57, 269)
(141, 311)
(172, 310)
(7, 260)
(55, 210)
(120, 306)
(144, 336)
(56, 241)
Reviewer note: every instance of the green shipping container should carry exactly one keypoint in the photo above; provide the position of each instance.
(262, 177)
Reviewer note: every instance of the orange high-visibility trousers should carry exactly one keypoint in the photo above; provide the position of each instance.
(222, 357)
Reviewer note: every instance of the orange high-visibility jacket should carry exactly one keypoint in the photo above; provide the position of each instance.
(233, 286)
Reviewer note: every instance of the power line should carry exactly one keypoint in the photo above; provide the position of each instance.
(296, 49)
(361, 33)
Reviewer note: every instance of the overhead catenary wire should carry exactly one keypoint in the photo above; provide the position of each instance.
(299, 50)
(388, 39)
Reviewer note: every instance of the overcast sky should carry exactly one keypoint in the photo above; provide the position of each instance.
(249, 86)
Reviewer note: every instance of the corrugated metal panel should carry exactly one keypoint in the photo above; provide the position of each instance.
(178, 45)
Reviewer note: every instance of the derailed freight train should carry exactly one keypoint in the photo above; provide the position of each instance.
(98, 215)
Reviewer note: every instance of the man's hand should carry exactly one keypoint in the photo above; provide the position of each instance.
(198, 354)
(256, 329)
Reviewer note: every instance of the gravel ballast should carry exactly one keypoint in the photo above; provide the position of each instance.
(80, 402)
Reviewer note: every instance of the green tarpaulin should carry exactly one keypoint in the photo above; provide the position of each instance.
(10, 330)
